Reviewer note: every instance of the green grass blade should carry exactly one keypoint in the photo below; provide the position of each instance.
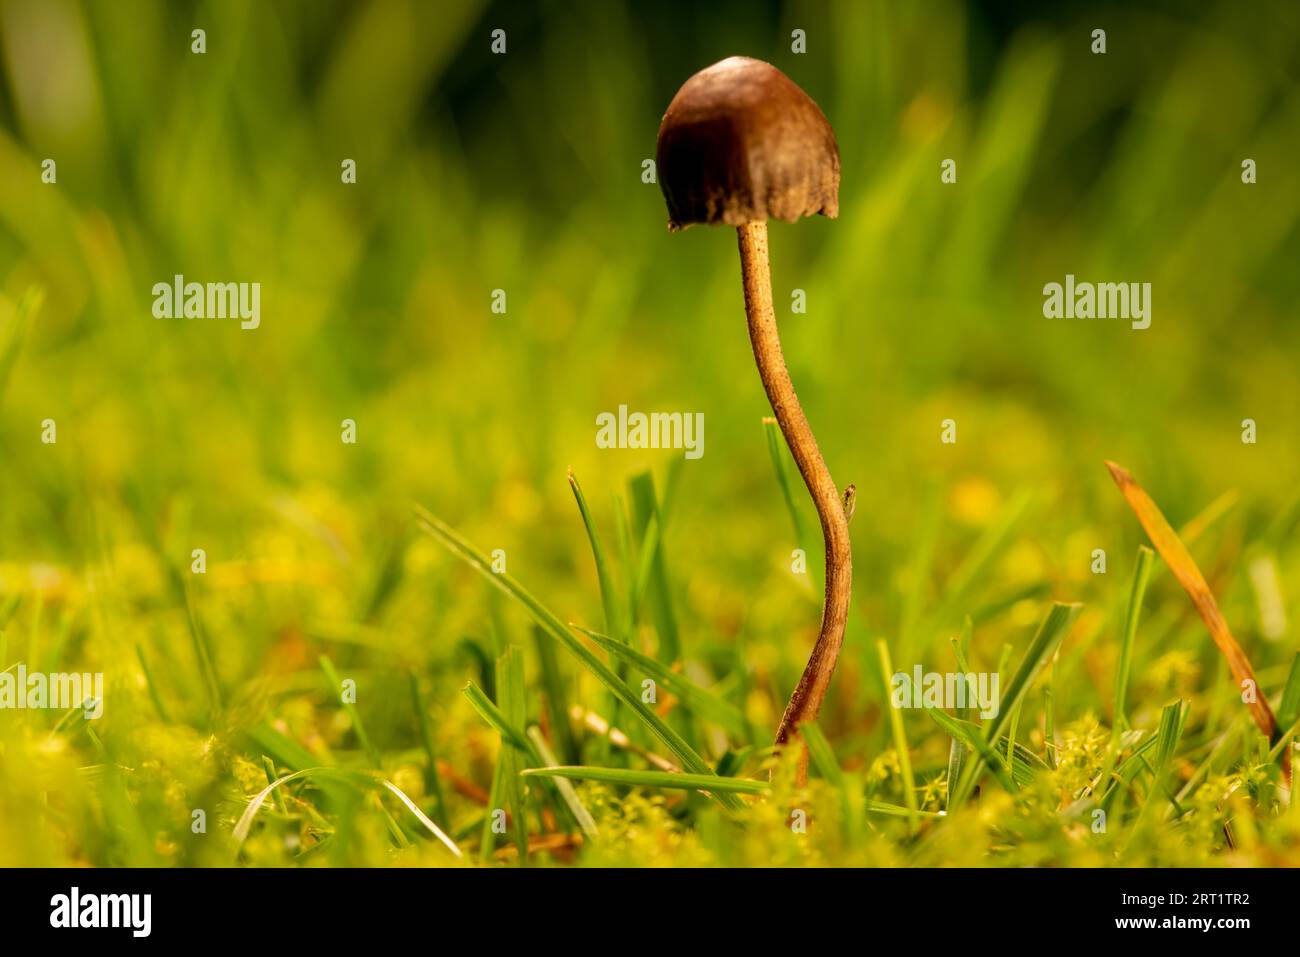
(655, 779)
(432, 780)
(1141, 575)
(957, 748)
(604, 571)
(608, 596)
(561, 725)
(703, 702)
(149, 681)
(1027, 763)
(490, 713)
(372, 753)
(958, 731)
(894, 810)
(1289, 708)
(567, 794)
(900, 737)
(1119, 718)
(776, 449)
(363, 783)
(533, 746)
(514, 709)
(1172, 719)
(1044, 644)
(822, 754)
(645, 508)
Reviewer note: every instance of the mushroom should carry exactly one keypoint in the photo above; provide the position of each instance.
(739, 144)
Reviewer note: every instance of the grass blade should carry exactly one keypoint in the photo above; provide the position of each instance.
(645, 508)
(1119, 719)
(700, 700)
(562, 785)
(655, 779)
(432, 779)
(900, 737)
(976, 741)
(1289, 708)
(957, 748)
(1045, 642)
(604, 571)
(554, 687)
(1141, 574)
(493, 716)
(363, 783)
(514, 709)
(1172, 719)
(821, 753)
(1181, 563)
(372, 753)
(775, 448)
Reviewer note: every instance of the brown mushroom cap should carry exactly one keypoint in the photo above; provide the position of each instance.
(741, 143)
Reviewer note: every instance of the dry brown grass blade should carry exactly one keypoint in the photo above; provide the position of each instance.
(1181, 563)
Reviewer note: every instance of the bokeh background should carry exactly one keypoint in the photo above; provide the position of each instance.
(523, 172)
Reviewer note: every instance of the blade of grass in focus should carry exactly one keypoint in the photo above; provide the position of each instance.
(1119, 717)
(655, 779)
(608, 593)
(700, 700)
(900, 736)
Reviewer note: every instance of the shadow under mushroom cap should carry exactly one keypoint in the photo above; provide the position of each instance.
(742, 143)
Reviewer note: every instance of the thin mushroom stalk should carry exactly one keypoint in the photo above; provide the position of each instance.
(740, 144)
(808, 695)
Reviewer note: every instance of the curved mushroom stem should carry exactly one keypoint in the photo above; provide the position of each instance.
(806, 701)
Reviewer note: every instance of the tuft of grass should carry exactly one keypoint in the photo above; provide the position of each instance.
(1048, 637)
(458, 545)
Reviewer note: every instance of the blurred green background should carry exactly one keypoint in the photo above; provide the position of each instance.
(523, 172)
